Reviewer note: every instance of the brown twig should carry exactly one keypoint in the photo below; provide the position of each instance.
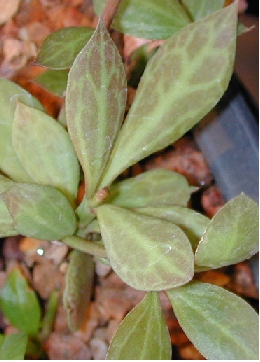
(109, 12)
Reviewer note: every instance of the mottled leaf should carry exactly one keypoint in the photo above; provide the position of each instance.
(147, 253)
(45, 150)
(182, 82)
(191, 222)
(19, 303)
(55, 81)
(143, 334)
(41, 212)
(6, 220)
(78, 291)
(232, 234)
(14, 347)
(61, 47)
(10, 94)
(149, 19)
(95, 103)
(152, 188)
(199, 9)
(221, 325)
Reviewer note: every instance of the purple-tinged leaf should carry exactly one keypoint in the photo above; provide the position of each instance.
(182, 82)
(147, 253)
(95, 104)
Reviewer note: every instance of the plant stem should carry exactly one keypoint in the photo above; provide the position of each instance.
(109, 12)
(50, 314)
(90, 247)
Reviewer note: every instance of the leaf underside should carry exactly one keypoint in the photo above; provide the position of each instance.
(143, 334)
(182, 82)
(221, 325)
(95, 104)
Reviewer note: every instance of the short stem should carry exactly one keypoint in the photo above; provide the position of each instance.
(90, 247)
(109, 12)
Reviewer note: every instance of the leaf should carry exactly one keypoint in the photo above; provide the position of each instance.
(41, 212)
(199, 9)
(10, 94)
(79, 282)
(6, 220)
(95, 103)
(221, 325)
(45, 150)
(191, 222)
(143, 333)
(19, 303)
(182, 82)
(151, 188)
(232, 235)
(55, 81)
(149, 19)
(14, 347)
(61, 47)
(146, 253)
(85, 217)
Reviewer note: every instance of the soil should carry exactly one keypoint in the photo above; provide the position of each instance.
(23, 26)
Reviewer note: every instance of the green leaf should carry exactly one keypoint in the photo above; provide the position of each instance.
(199, 9)
(14, 347)
(78, 291)
(143, 334)
(232, 235)
(19, 303)
(147, 253)
(61, 47)
(95, 103)
(149, 19)
(191, 222)
(151, 188)
(45, 150)
(41, 212)
(10, 94)
(221, 325)
(182, 82)
(55, 81)
(85, 217)
(6, 220)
